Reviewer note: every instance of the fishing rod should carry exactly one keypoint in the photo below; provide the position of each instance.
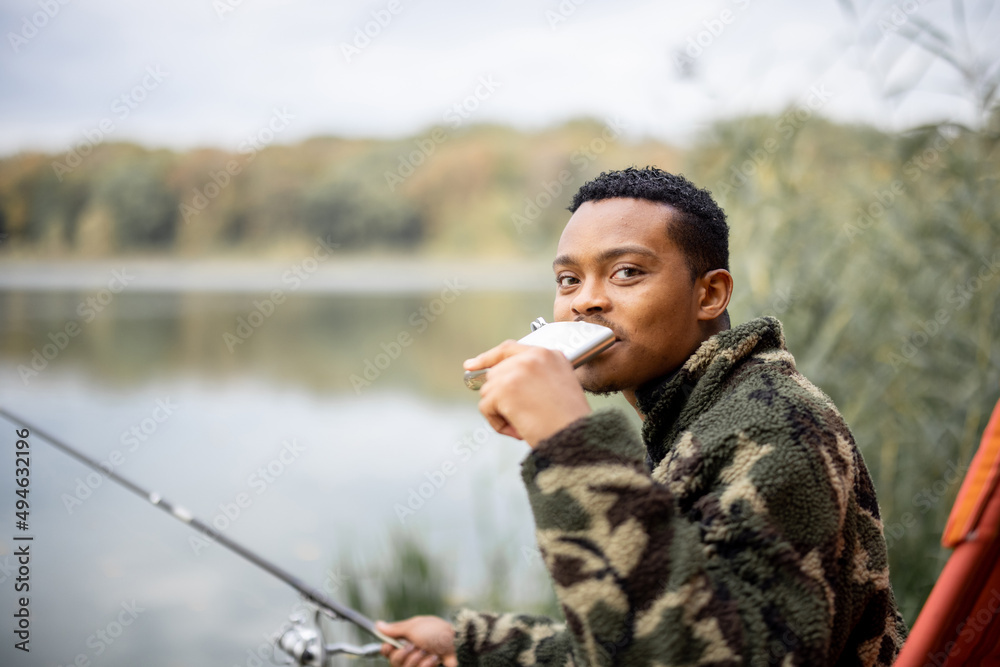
(306, 645)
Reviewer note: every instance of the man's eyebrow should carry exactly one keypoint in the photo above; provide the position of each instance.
(607, 255)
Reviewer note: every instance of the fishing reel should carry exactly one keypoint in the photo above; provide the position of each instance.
(305, 644)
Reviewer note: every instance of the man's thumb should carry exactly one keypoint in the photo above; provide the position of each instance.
(397, 629)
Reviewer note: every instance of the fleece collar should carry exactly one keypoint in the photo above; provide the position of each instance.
(670, 403)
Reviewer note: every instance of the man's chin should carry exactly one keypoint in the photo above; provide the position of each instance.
(602, 391)
(599, 386)
(602, 376)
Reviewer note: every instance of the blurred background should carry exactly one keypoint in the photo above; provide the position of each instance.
(245, 246)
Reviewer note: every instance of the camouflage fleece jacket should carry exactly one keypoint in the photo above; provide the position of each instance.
(755, 540)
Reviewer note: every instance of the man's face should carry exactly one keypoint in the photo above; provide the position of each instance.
(616, 266)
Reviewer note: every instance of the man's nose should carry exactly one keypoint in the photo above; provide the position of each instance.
(591, 298)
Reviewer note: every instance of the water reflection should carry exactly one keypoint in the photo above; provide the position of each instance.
(307, 340)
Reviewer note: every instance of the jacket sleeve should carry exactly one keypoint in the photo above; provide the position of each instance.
(573, 480)
(494, 640)
(727, 561)
(629, 572)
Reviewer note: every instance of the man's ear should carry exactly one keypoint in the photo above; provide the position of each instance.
(715, 288)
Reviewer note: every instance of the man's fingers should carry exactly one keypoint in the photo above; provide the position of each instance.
(495, 355)
(397, 629)
(417, 657)
(429, 661)
(411, 656)
(398, 656)
(394, 655)
(488, 410)
(531, 393)
(426, 639)
(496, 420)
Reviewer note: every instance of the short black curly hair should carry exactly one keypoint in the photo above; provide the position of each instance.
(699, 229)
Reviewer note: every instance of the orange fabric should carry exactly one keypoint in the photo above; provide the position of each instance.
(980, 483)
(977, 642)
(960, 622)
(952, 626)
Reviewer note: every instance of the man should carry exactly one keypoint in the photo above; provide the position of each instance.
(742, 529)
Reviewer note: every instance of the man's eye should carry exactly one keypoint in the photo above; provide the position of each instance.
(565, 281)
(626, 272)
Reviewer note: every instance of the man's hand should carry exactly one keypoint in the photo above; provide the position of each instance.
(530, 391)
(431, 642)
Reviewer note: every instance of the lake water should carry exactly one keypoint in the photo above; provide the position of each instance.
(312, 426)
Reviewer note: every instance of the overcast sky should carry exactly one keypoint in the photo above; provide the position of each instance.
(186, 73)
